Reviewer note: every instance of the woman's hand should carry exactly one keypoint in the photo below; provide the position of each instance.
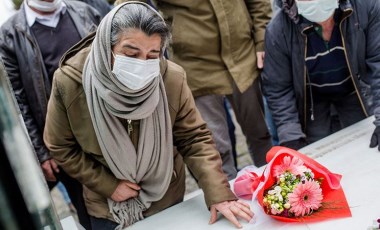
(125, 190)
(231, 210)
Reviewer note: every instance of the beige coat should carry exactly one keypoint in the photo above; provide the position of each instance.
(70, 136)
(216, 41)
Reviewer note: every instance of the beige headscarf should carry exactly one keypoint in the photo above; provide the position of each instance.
(151, 165)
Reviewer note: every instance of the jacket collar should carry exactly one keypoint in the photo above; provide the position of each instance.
(344, 6)
(48, 20)
(289, 7)
(81, 22)
(21, 22)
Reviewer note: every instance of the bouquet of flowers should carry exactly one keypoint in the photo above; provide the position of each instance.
(296, 192)
(294, 187)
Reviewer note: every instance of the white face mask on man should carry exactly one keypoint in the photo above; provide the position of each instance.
(45, 6)
(316, 10)
(135, 73)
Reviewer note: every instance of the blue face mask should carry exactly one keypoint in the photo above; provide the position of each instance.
(317, 10)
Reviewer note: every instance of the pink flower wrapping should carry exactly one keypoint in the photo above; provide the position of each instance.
(315, 193)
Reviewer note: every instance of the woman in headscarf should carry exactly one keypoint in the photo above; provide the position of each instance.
(116, 111)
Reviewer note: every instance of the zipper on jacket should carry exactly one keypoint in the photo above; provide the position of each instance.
(130, 127)
(305, 82)
(311, 96)
(348, 64)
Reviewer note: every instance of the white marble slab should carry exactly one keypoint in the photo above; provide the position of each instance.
(69, 223)
(345, 152)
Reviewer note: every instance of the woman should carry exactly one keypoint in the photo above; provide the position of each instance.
(116, 111)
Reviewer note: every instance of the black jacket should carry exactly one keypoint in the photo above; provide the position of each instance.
(26, 70)
(102, 6)
(284, 77)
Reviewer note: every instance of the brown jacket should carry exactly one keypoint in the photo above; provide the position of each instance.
(216, 41)
(70, 136)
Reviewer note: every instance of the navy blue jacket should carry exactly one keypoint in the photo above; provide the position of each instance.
(284, 77)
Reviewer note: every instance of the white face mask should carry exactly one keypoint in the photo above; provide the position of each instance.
(135, 73)
(45, 6)
(317, 10)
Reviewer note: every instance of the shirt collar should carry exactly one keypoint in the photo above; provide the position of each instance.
(32, 16)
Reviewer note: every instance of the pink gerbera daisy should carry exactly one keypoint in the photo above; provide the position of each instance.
(305, 198)
(293, 165)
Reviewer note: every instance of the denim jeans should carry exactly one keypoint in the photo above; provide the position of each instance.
(102, 224)
(348, 111)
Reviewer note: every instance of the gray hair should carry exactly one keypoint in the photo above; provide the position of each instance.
(139, 16)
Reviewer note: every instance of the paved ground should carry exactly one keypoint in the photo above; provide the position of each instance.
(244, 159)
(60, 206)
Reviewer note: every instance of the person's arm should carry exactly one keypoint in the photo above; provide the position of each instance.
(373, 63)
(65, 150)
(261, 13)
(194, 141)
(278, 87)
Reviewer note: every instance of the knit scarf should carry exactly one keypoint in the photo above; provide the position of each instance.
(151, 164)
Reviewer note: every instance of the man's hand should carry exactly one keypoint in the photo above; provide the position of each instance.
(295, 144)
(231, 210)
(48, 168)
(375, 139)
(260, 59)
(125, 190)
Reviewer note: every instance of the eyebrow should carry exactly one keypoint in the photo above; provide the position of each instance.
(130, 46)
(135, 48)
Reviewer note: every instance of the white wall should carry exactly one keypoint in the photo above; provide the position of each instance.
(6, 10)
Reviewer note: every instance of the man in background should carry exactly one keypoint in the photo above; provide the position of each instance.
(31, 45)
(220, 44)
(322, 55)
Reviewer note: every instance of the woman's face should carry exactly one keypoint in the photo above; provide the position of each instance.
(136, 44)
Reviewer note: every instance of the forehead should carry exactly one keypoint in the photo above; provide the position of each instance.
(138, 38)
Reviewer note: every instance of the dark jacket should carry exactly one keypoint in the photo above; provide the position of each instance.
(26, 70)
(102, 6)
(284, 77)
